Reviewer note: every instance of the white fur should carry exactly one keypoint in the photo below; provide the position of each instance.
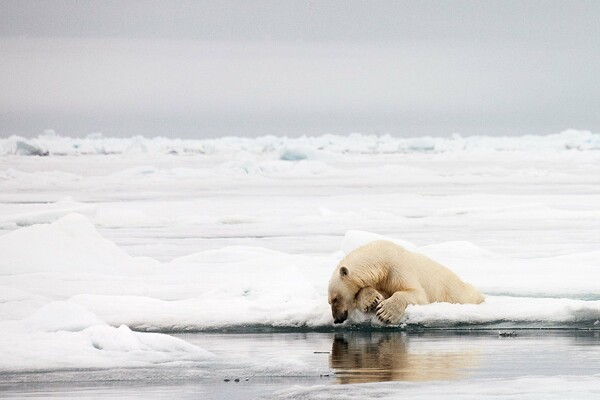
(402, 277)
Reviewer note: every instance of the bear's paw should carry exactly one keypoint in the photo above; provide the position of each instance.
(368, 299)
(391, 311)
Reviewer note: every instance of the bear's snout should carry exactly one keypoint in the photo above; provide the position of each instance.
(338, 318)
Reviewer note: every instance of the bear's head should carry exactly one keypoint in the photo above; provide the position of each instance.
(342, 293)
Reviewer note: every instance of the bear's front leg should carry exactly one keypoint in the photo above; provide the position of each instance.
(367, 299)
(392, 310)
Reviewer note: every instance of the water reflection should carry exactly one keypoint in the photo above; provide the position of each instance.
(389, 356)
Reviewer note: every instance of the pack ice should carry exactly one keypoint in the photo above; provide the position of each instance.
(70, 298)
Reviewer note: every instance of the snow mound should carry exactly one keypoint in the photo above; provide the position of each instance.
(98, 346)
(31, 214)
(61, 316)
(70, 244)
(63, 335)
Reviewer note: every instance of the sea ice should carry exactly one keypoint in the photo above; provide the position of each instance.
(107, 236)
(241, 286)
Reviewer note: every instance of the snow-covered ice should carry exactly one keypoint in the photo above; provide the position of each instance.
(108, 245)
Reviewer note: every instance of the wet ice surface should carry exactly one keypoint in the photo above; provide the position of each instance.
(109, 247)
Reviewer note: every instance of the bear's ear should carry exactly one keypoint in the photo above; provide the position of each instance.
(344, 271)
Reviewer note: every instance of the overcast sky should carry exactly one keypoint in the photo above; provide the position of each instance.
(247, 68)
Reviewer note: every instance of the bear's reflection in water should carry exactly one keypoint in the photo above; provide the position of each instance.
(388, 356)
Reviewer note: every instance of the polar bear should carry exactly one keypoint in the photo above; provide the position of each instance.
(385, 277)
